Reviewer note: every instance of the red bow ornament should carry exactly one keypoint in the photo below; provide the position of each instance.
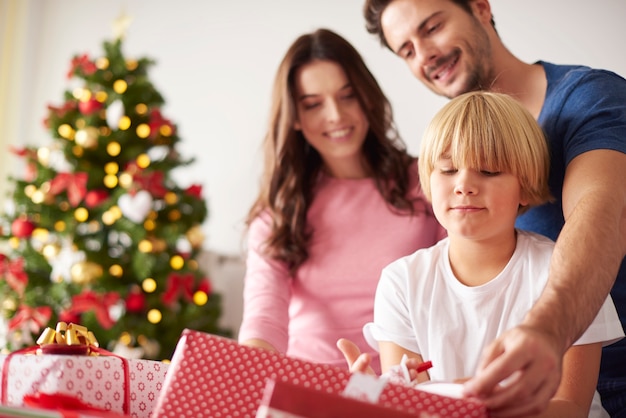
(99, 303)
(195, 190)
(74, 184)
(33, 319)
(178, 285)
(13, 273)
(157, 123)
(81, 64)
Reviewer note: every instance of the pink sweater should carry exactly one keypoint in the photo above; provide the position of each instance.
(331, 295)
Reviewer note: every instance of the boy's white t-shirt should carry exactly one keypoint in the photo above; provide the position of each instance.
(421, 306)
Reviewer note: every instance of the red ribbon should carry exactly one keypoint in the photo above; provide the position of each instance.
(36, 318)
(62, 401)
(99, 303)
(68, 406)
(14, 274)
(178, 284)
(74, 183)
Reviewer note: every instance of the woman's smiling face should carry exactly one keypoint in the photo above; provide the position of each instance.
(330, 117)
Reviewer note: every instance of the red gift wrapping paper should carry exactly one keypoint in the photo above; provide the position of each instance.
(95, 380)
(216, 377)
(284, 400)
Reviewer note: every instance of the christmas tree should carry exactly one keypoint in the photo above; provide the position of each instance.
(99, 233)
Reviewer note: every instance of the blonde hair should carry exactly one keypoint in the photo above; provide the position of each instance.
(489, 131)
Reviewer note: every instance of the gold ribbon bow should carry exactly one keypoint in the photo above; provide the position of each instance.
(68, 335)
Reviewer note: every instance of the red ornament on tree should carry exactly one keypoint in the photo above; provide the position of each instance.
(22, 228)
(90, 106)
(135, 301)
(94, 197)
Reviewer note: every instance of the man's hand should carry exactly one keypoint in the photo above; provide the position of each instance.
(357, 361)
(518, 374)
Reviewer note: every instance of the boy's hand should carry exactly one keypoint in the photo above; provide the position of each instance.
(357, 361)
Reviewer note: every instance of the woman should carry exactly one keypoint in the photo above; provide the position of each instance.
(339, 200)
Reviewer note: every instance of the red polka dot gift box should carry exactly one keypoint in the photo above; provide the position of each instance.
(111, 383)
(212, 376)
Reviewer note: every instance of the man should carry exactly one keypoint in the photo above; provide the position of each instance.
(452, 47)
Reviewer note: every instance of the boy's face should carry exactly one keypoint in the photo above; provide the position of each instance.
(475, 204)
(445, 47)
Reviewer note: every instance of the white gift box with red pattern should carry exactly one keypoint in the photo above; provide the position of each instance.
(216, 377)
(108, 382)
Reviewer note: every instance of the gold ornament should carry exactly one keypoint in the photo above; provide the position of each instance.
(50, 251)
(195, 236)
(101, 96)
(37, 197)
(102, 63)
(81, 93)
(43, 156)
(177, 262)
(171, 198)
(66, 131)
(124, 123)
(141, 109)
(77, 151)
(131, 65)
(126, 339)
(111, 168)
(120, 86)
(143, 161)
(87, 137)
(85, 272)
(165, 130)
(116, 270)
(158, 245)
(149, 225)
(114, 148)
(149, 285)
(59, 226)
(145, 246)
(9, 304)
(154, 316)
(81, 214)
(200, 298)
(30, 190)
(174, 215)
(126, 180)
(143, 131)
(110, 181)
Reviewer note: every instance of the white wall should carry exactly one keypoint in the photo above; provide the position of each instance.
(216, 61)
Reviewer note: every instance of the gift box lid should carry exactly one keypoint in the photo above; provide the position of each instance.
(214, 376)
(305, 402)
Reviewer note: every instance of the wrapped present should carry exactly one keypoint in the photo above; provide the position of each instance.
(217, 377)
(69, 364)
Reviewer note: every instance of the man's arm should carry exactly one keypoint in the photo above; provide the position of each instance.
(584, 265)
